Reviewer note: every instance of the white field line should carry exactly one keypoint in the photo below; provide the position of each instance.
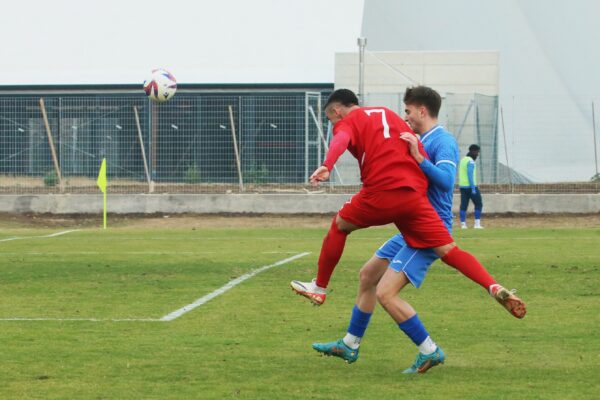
(83, 319)
(223, 289)
(177, 313)
(370, 238)
(137, 253)
(42, 236)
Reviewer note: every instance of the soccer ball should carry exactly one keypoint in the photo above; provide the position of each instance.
(160, 86)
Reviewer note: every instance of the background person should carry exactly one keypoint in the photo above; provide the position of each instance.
(467, 182)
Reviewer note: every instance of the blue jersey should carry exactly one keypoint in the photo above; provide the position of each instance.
(440, 170)
(443, 153)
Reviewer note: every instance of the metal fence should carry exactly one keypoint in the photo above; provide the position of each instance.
(193, 143)
(216, 143)
(529, 144)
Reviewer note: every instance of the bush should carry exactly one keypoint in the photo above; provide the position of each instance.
(50, 179)
(257, 174)
(192, 175)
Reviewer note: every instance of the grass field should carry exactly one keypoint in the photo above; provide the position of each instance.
(254, 341)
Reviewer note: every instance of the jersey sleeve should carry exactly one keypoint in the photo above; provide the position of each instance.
(470, 170)
(440, 175)
(446, 153)
(441, 167)
(338, 145)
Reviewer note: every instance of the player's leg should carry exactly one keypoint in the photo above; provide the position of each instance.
(464, 204)
(426, 230)
(332, 249)
(331, 252)
(468, 265)
(347, 348)
(363, 210)
(408, 321)
(478, 203)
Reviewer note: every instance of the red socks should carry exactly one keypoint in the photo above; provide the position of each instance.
(468, 265)
(331, 252)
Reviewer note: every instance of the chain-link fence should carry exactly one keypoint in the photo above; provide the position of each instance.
(529, 144)
(269, 142)
(194, 143)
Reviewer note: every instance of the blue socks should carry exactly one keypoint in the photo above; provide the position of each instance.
(478, 213)
(359, 322)
(414, 329)
(463, 216)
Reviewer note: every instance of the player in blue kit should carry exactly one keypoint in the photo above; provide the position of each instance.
(380, 277)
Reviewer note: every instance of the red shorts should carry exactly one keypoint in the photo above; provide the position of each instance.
(410, 211)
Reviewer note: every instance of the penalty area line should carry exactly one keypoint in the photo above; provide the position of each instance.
(83, 319)
(177, 313)
(204, 299)
(42, 236)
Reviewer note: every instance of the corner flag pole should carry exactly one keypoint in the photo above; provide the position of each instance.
(102, 185)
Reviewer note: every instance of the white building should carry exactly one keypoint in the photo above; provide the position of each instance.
(539, 56)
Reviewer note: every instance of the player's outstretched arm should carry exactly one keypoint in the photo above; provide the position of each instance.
(338, 145)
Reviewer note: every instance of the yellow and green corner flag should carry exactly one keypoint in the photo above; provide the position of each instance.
(102, 185)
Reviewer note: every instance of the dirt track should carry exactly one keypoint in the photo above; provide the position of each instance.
(267, 221)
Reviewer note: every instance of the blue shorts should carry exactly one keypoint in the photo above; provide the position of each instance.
(413, 262)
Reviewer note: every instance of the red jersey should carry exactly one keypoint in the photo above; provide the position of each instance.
(374, 140)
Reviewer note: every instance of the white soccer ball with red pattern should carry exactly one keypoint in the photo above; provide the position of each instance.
(160, 86)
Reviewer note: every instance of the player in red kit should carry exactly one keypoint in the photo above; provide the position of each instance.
(394, 191)
(394, 187)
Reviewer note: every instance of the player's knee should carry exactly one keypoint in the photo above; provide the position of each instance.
(384, 296)
(443, 250)
(365, 276)
(344, 226)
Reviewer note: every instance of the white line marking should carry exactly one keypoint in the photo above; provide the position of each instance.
(80, 253)
(83, 319)
(174, 314)
(277, 252)
(223, 289)
(60, 233)
(43, 236)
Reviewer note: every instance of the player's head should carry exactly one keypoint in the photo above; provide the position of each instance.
(473, 151)
(339, 104)
(422, 106)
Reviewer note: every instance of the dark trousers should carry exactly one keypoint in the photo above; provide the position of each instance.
(466, 195)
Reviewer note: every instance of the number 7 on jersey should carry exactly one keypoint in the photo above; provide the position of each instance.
(386, 127)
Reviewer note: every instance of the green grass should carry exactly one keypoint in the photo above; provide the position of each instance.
(254, 341)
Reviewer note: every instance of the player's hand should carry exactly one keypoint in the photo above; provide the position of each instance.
(413, 146)
(321, 174)
(473, 190)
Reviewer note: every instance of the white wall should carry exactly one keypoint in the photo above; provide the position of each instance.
(270, 203)
(447, 71)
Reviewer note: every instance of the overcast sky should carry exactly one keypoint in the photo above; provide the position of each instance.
(225, 41)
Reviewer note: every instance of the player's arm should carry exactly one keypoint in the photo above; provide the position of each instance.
(441, 174)
(470, 170)
(338, 145)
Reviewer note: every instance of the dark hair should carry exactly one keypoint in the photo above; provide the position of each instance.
(345, 97)
(424, 96)
(473, 147)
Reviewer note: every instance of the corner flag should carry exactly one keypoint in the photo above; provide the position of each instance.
(102, 176)
(102, 185)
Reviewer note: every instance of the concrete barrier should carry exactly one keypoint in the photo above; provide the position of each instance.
(271, 203)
